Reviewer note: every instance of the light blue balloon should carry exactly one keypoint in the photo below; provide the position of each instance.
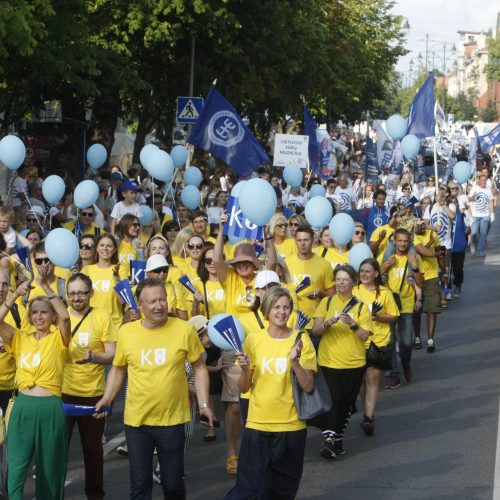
(358, 253)
(146, 216)
(235, 192)
(293, 175)
(160, 165)
(24, 232)
(342, 228)
(53, 188)
(233, 240)
(410, 145)
(396, 127)
(86, 194)
(318, 211)
(193, 176)
(145, 151)
(191, 197)
(462, 171)
(62, 248)
(215, 336)
(12, 152)
(179, 155)
(96, 156)
(316, 190)
(258, 201)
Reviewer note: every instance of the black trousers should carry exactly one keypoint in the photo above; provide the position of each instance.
(269, 466)
(457, 265)
(344, 387)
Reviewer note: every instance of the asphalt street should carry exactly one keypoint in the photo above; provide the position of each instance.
(435, 438)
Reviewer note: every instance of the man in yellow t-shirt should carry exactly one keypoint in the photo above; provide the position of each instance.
(86, 218)
(154, 351)
(91, 347)
(381, 236)
(307, 264)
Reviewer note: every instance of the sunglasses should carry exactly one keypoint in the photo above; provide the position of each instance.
(294, 224)
(86, 246)
(208, 261)
(42, 260)
(174, 229)
(80, 294)
(197, 246)
(432, 180)
(358, 233)
(454, 189)
(160, 270)
(282, 225)
(87, 214)
(32, 219)
(135, 224)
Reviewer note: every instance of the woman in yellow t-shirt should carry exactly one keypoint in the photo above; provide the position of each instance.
(284, 244)
(383, 309)
(37, 424)
(345, 324)
(178, 248)
(131, 247)
(105, 274)
(273, 443)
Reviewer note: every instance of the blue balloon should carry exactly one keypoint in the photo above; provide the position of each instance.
(86, 194)
(410, 145)
(179, 155)
(342, 228)
(258, 201)
(237, 188)
(62, 248)
(316, 190)
(293, 175)
(191, 197)
(146, 217)
(12, 152)
(53, 188)
(233, 240)
(160, 165)
(358, 253)
(145, 151)
(462, 171)
(396, 127)
(96, 156)
(193, 176)
(215, 336)
(24, 232)
(318, 211)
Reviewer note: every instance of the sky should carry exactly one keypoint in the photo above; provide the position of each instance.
(441, 19)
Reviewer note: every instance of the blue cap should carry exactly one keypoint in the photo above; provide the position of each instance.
(117, 176)
(129, 186)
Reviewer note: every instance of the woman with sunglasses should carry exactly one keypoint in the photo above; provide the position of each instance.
(344, 324)
(359, 234)
(130, 247)
(294, 222)
(87, 250)
(37, 425)
(178, 248)
(278, 228)
(371, 292)
(429, 190)
(105, 274)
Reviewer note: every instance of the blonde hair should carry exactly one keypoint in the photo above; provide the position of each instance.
(180, 241)
(46, 301)
(275, 220)
(7, 212)
(271, 297)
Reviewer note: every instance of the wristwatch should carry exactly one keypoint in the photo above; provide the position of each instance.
(203, 406)
(354, 327)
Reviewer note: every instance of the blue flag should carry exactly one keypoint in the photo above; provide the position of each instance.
(221, 131)
(124, 290)
(238, 226)
(421, 121)
(310, 127)
(487, 141)
(137, 271)
(371, 162)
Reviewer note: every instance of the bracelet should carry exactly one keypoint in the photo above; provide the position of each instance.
(92, 358)
(203, 406)
(418, 300)
(269, 238)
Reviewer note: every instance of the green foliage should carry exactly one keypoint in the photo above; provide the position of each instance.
(492, 69)
(462, 106)
(489, 112)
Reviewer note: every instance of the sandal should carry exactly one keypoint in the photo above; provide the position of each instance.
(208, 438)
(231, 468)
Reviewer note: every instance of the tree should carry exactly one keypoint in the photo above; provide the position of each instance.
(489, 112)
(492, 69)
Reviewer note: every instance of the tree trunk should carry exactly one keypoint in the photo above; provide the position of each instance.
(105, 116)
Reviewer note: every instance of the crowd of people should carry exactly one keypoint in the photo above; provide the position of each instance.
(68, 337)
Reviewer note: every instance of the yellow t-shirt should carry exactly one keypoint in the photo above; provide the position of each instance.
(394, 276)
(37, 291)
(239, 297)
(383, 244)
(381, 331)
(94, 229)
(7, 360)
(157, 391)
(287, 248)
(39, 362)
(126, 253)
(340, 347)
(87, 380)
(104, 296)
(336, 258)
(429, 266)
(174, 301)
(214, 295)
(271, 407)
(321, 274)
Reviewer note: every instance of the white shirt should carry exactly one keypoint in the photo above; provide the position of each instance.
(438, 216)
(481, 205)
(18, 186)
(345, 198)
(120, 209)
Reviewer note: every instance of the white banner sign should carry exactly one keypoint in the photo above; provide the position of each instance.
(291, 150)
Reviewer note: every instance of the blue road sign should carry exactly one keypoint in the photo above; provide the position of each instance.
(189, 109)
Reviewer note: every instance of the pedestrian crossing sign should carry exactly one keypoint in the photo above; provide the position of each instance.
(189, 109)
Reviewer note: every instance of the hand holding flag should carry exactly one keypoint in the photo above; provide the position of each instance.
(124, 290)
(186, 282)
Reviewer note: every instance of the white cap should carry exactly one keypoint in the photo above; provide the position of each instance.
(156, 261)
(264, 278)
(36, 209)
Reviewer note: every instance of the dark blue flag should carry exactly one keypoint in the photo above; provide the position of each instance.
(238, 226)
(221, 131)
(371, 162)
(487, 141)
(421, 121)
(310, 127)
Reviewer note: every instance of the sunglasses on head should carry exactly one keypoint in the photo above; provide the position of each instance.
(86, 246)
(197, 246)
(87, 214)
(160, 270)
(42, 260)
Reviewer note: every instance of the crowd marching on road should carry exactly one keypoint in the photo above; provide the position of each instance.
(317, 318)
